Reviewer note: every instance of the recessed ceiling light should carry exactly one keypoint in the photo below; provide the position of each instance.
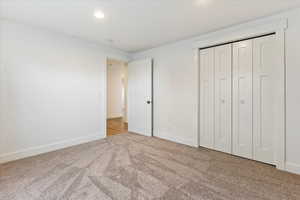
(99, 14)
(202, 2)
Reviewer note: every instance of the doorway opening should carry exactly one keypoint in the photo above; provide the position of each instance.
(117, 89)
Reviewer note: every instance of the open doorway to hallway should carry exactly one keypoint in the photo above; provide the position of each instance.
(117, 81)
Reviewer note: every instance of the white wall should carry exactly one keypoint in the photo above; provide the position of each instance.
(175, 92)
(115, 101)
(52, 90)
(175, 88)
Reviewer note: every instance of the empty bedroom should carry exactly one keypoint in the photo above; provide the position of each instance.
(139, 99)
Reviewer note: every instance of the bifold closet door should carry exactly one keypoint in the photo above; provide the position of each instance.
(266, 76)
(207, 98)
(242, 99)
(223, 85)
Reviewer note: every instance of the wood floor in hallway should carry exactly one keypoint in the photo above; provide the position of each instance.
(116, 126)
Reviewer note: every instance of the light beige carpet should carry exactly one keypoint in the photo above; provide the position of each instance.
(130, 166)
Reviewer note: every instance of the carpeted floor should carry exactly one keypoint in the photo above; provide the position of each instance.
(130, 166)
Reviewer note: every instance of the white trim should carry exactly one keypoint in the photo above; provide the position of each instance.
(197, 64)
(293, 168)
(105, 92)
(280, 148)
(240, 32)
(176, 139)
(249, 30)
(33, 151)
(118, 117)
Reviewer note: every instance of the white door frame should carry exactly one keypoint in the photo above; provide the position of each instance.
(105, 92)
(244, 31)
(105, 89)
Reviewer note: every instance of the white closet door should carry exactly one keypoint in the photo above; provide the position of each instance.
(207, 98)
(265, 73)
(242, 99)
(223, 85)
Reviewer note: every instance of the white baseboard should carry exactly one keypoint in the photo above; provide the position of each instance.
(177, 139)
(293, 168)
(33, 151)
(115, 117)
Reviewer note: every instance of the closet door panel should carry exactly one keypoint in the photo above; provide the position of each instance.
(242, 99)
(223, 85)
(207, 98)
(265, 55)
